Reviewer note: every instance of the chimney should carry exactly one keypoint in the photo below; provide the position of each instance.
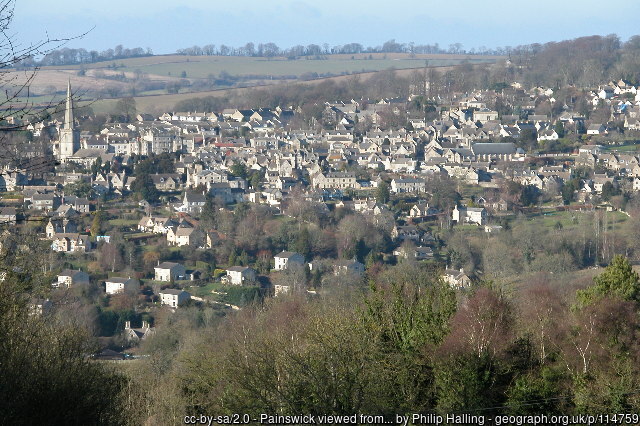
(145, 324)
(127, 325)
(462, 270)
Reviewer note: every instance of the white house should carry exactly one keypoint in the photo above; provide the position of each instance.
(193, 203)
(596, 129)
(70, 278)
(287, 258)
(238, 275)
(173, 298)
(116, 285)
(475, 215)
(183, 236)
(408, 185)
(168, 271)
(548, 135)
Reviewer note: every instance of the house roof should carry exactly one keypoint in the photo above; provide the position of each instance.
(69, 273)
(194, 198)
(346, 263)
(173, 291)
(7, 211)
(167, 265)
(120, 280)
(238, 268)
(455, 274)
(162, 178)
(287, 254)
(493, 148)
(183, 231)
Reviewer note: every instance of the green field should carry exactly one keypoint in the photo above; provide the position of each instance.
(197, 67)
(206, 291)
(242, 66)
(123, 222)
(632, 148)
(244, 72)
(576, 219)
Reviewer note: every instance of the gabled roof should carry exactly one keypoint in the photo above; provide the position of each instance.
(167, 265)
(238, 268)
(194, 198)
(120, 280)
(287, 254)
(493, 148)
(173, 291)
(69, 273)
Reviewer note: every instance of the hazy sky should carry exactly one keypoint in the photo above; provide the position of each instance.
(165, 26)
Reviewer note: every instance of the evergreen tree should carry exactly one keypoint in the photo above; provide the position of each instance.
(244, 258)
(618, 280)
(232, 257)
(208, 215)
(98, 223)
(383, 193)
(302, 243)
(144, 187)
(239, 170)
(256, 181)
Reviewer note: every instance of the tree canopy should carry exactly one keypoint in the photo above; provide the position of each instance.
(618, 280)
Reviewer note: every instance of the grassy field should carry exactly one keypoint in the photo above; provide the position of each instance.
(242, 66)
(123, 222)
(139, 236)
(206, 291)
(632, 148)
(573, 219)
(203, 66)
(259, 71)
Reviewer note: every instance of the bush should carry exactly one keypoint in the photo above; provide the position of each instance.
(47, 377)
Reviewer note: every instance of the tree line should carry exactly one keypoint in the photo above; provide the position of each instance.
(390, 46)
(69, 56)
(583, 62)
(407, 343)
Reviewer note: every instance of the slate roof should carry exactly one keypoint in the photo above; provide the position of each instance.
(493, 148)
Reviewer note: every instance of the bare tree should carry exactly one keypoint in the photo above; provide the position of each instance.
(17, 107)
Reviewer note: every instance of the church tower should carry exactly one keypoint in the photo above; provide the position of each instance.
(69, 135)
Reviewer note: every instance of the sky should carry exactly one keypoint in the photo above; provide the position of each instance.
(165, 26)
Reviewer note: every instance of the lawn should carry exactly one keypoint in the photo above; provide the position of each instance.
(139, 236)
(469, 228)
(624, 148)
(574, 219)
(206, 291)
(123, 222)
(12, 196)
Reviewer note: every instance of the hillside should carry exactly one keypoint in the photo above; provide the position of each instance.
(171, 78)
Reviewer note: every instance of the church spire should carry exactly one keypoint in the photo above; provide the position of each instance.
(69, 141)
(68, 115)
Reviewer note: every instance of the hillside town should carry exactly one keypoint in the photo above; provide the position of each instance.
(319, 226)
(153, 210)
